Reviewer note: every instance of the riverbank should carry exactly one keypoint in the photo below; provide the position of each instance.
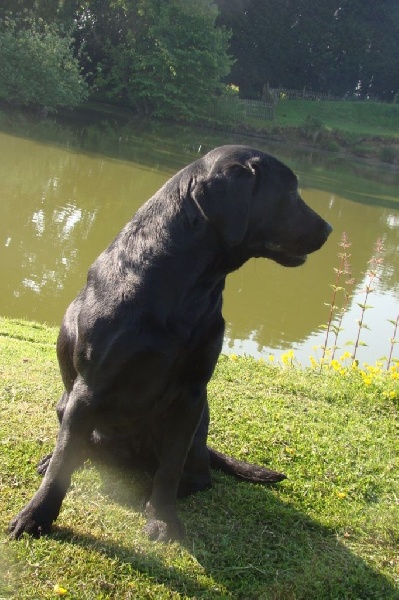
(363, 130)
(367, 131)
(331, 530)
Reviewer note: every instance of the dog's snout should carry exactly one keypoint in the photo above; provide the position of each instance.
(328, 229)
(325, 232)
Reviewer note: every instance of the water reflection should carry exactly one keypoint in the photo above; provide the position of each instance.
(67, 189)
(295, 300)
(59, 209)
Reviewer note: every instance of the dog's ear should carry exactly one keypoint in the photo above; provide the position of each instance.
(224, 198)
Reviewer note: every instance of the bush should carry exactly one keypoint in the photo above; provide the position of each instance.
(171, 66)
(314, 129)
(37, 67)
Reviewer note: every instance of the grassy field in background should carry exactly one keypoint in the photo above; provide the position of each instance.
(330, 531)
(365, 130)
(359, 118)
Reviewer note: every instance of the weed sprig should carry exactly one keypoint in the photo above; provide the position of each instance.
(381, 379)
(339, 309)
(393, 340)
(343, 269)
(371, 275)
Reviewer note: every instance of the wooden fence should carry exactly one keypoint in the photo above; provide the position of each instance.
(265, 111)
(257, 109)
(304, 94)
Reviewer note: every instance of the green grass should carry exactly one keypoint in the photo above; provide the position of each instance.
(330, 531)
(358, 118)
(366, 130)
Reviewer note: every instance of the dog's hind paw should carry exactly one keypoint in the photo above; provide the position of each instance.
(163, 525)
(161, 531)
(43, 464)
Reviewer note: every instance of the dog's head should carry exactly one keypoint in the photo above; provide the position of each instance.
(252, 200)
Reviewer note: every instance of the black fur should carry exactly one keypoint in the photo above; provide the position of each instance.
(139, 344)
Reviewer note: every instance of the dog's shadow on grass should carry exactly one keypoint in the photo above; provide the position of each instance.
(249, 543)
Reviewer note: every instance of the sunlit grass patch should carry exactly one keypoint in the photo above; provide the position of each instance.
(331, 530)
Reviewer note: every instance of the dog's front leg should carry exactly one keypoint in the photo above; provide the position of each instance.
(70, 451)
(180, 426)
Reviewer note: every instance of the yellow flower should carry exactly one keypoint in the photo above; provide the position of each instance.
(233, 356)
(288, 357)
(271, 358)
(341, 495)
(336, 366)
(59, 590)
(290, 450)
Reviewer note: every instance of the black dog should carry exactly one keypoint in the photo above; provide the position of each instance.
(139, 344)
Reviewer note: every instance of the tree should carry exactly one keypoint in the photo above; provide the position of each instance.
(168, 60)
(165, 58)
(37, 66)
(348, 47)
(369, 32)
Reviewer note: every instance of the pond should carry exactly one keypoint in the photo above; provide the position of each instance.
(68, 185)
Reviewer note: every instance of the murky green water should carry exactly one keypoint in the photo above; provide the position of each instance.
(67, 188)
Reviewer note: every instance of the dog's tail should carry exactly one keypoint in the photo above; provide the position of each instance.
(243, 470)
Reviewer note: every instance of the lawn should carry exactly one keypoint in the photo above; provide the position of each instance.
(329, 531)
(358, 118)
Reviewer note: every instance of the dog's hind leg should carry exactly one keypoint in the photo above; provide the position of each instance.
(70, 451)
(197, 472)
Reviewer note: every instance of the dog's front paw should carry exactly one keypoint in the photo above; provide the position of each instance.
(29, 521)
(43, 464)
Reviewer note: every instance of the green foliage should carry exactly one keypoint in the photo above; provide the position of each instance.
(37, 66)
(348, 48)
(168, 60)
